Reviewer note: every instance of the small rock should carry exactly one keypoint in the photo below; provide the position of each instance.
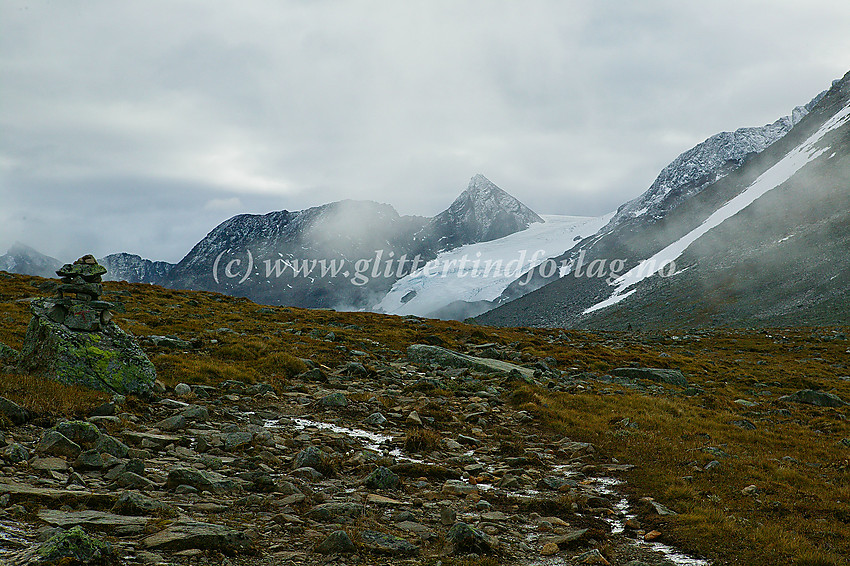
(200, 480)
(172, 424)
(336, 511)
(376, 419)
(15, 453)
(57, 444)
(382, 478)
(182, 390)
(550, 549)
(382, 543)
(651, 535)
(413, 419)
(88, 460)
(13, 411)
(109, 445)
(458, 487)
(466, 539)
(238, 440)
(83, 433)
(135, 504)
(448, 516)
(334, 400)
(310, 457)
(338, 542)
(183, 535)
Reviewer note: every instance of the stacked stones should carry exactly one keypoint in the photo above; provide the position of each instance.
(84, 311)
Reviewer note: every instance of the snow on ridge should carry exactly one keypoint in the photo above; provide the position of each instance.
(449, 278)
(778, 174)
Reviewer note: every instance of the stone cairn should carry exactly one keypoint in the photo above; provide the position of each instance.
(72, 338)
(84, 310)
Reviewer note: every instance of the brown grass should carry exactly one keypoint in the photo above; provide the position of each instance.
(47, 398)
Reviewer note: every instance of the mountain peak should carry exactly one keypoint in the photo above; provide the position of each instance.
(481, 213)
(479, 182)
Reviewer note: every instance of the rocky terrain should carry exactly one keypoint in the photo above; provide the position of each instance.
(288, 436)
(350, 464)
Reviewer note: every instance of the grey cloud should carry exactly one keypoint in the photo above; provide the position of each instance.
(167, 116)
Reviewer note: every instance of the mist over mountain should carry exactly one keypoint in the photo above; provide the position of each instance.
(343, 255)
(764, 244)
(23, 259)
(483, 212)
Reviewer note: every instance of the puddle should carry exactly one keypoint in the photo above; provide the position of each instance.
(373, 440)
(606, 486)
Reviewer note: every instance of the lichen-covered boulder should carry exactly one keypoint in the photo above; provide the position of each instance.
(69, 548)
(108, 359)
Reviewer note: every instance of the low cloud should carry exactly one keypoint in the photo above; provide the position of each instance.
(160, 115)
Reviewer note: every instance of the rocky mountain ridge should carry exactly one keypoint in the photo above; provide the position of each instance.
(800, 188)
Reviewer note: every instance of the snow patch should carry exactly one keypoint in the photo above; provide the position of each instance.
(482, 271)
(795, 160)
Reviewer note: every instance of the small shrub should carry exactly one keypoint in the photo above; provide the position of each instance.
(282, 364)
(422, 440)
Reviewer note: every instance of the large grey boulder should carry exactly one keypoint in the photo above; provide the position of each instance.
(425, 355)
(187, 534)
(669, 376)
(108, 359)
(816, 398)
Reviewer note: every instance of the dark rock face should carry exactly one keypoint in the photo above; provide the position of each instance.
(338, 542)
(23, 259)
(135, 269)
(483, 212)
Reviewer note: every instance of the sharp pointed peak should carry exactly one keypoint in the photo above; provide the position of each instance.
(479, 181)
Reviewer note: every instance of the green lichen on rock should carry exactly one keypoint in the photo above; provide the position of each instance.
(73, 547)
(108, 360)
(8, 355)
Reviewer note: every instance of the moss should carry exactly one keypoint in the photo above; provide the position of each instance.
(8, 355)
(109, 360)
(75, 546)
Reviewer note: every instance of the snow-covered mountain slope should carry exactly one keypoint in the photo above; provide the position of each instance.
(480, 272)
(25, 260)
(764, 244)
(771, 179)
(704, 164)
(680, 181)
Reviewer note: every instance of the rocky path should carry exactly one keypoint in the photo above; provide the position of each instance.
(351, 466)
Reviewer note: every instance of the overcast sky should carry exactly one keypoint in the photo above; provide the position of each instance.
(138, 126)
